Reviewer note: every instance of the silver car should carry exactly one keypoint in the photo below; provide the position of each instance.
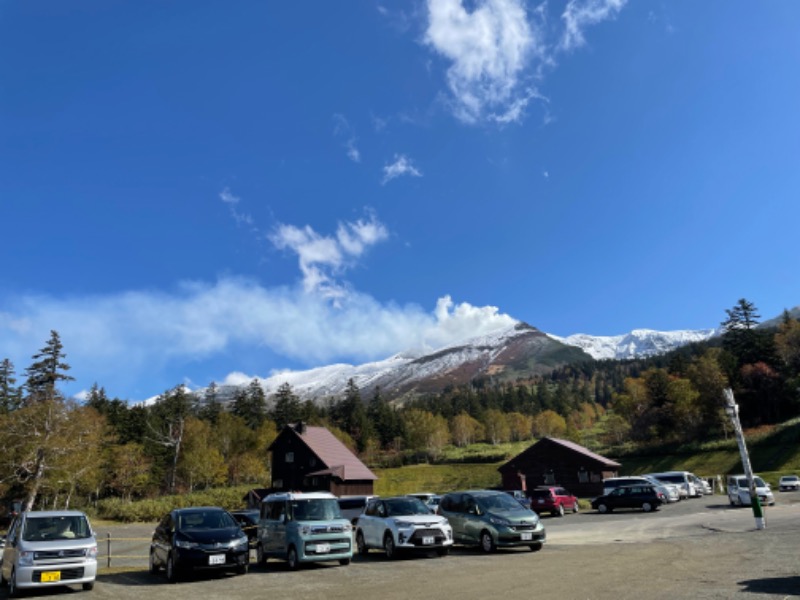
(49, 548)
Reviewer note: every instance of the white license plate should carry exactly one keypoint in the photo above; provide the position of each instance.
(526, 536)
(216, 559)
(323, 548)
(428, 540)
(541, 500)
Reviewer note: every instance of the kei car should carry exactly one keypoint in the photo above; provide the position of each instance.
(789, 482)
(402, 524)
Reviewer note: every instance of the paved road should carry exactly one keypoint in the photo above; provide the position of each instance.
(695, 549)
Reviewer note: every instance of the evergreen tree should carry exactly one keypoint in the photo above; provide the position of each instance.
(385, 421)
(741, 338)
(10, 396)
(287, 407)
(47, 370)
(211, 407)
(251, 405)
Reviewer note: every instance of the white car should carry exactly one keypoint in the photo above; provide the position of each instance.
(671, 491)
(789, 482)
(402, 523)
(739, 492)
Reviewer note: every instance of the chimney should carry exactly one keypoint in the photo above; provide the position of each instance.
(300, 427)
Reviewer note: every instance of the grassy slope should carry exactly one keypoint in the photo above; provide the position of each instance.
(773, 452)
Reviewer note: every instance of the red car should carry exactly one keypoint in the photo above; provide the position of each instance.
(553, 499)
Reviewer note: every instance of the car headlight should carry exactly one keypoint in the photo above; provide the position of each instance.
(26, 559)
(186, 544)
(500, 521)
(91, 552)
(242, 541)
(403, 524)
(348, 527)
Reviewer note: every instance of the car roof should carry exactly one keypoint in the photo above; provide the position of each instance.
(53, 513)
(300, 496)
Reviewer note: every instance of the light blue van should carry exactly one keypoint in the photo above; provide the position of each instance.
(303, 527)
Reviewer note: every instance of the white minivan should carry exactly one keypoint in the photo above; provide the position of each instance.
(683, 479)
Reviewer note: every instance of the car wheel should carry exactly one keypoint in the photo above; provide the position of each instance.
(344, 561)
(443, 551)
(602, 508)
(487, 541)
(292, 559)
(13, 590)
(389, 547)
(242, 569)
(260, 558)
(575, 507)
(361, 544)
(172, 572)
(560, 511)
(152, 564)
(88, 586)
(647, 507)
(536, 547)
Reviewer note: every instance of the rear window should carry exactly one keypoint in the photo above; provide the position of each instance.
(38, 529)
(541, 494)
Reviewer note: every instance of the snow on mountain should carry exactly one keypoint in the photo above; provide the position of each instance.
(638, 343)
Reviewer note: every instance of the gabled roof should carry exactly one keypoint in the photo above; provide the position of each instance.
(334, 455)
(606, 462)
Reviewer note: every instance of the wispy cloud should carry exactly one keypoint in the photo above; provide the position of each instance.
(489, 47)
(232, 201)
(498, 51)
(580, 14)
(402, 165)
(322, 258)
(342, 128)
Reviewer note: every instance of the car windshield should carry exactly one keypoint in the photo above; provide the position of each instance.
(205, 519)
(38, 529)
(315, 509)
(789, 478)
(499, 502)
(398, 507)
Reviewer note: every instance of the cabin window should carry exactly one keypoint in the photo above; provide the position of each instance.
(289, 457)
(583, 476)
(549, 477)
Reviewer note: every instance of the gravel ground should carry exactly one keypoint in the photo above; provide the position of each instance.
(694, 549)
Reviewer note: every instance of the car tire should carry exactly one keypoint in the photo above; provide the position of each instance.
(261, 559)
(152, 565)
(171, 569)
(536, 547)
(87, 586)
(647, 507)
(344, 561)
(576, 508)
(389, 547)
(560, 510)
(292, 559)
(487, 542)
(603, 508)
(241, 569)
(361, 544)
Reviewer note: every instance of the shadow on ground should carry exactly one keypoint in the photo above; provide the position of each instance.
(787, 586)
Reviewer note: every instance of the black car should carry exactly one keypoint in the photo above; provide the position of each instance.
(205, 537)
(646, 497)
(248, 520)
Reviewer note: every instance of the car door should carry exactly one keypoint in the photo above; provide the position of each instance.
(276, 529)
(451, 507)
(10, 549)
(369, 523)
(473, 524)
(162, 542)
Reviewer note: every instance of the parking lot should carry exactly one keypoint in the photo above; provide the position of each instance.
(699, 548)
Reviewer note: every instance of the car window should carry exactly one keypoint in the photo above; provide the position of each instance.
(498, 502)
(315, 509)
(398, 507)
(56, 528)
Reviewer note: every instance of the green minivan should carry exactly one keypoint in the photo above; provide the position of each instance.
(491, 519)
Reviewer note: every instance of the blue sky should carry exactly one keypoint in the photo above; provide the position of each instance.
(198, 191)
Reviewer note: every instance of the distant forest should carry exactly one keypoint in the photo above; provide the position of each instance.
(58, 452)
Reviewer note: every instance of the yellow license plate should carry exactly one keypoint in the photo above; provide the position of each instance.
(48, 576)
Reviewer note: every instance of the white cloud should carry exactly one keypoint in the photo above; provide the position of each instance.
(489, 48)
(138, 335)
(580, 14)
(343, 129)
(402, 165)
(233, 202)
(321, 258)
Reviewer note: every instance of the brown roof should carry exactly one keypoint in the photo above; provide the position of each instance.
(585, 452)
(337, 457)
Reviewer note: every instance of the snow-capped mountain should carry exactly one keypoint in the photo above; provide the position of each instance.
(638, 343)
(507, 354)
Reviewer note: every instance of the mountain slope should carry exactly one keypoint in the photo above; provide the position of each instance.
(638, 343)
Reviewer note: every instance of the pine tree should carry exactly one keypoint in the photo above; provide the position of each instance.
(10, 396)
(251, 405)
(47, 371)
(211, 407)
(287, 407)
